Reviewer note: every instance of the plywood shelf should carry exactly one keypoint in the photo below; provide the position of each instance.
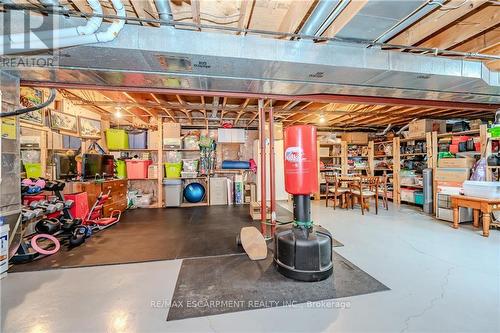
(131, 149)
(415, 186)
(197, 204)
(181, 149)
(414, 154)
(470, 132)
(228, 171)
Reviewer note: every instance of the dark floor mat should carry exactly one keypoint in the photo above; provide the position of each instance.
(157, 234)
(224, 284)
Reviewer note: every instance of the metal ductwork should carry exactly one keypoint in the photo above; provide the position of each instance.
(325, 12)
(164, 9)
(378, 17)
(181, 59)
(430, 6)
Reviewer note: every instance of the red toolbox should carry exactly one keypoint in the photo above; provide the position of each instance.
(80, 207)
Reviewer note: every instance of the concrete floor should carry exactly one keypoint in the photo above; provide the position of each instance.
(441, 279)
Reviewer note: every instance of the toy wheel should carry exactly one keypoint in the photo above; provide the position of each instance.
(238, 240)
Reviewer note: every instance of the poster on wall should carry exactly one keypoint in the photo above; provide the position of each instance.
(89, 128)
(63, 122)
(30, 97)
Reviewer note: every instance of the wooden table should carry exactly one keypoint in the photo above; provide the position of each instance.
(485, 206)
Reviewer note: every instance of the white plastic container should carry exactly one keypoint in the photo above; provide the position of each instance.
(4, 250)
(487, 190)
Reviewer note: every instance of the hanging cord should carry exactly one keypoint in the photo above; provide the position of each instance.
(19, 112)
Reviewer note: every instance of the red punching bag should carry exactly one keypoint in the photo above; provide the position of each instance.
(301, 160)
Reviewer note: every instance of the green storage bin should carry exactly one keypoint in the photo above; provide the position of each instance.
(173, 170)
(121, 169)
(495, 132)
(116, 139)
(419, 197)
(33, 170)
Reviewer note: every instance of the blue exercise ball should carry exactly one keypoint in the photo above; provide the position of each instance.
(194, 192)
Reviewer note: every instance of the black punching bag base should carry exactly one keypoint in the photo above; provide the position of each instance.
(303, 254)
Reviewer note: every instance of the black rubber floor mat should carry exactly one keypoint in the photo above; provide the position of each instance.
(224, 284)
(157, 234)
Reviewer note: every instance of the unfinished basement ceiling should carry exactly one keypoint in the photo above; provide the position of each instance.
(197, 59)
(461, 25)
(142, 109)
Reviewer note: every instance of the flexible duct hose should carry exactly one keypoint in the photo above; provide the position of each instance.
(19, 112)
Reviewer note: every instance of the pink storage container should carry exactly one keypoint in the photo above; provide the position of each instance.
(137, 169)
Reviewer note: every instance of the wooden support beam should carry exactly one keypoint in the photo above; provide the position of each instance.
(195, 10)
(296, 15)
(144, 9)
(150, 111)
(135, 113)
(224, 102)
(246, 7)
(435, 21)
(243, 107)
(470, 26)
(167, 111)
(251, 120)
(484, 43)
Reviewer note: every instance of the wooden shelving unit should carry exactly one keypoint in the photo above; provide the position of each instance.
(333, 162)
(482, 133)
(387, 158)
(398, 157)
(365, 157)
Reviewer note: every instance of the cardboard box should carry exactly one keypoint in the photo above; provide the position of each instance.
(407, 195)
(171, 130)
(359, 138)
(153, 137)
(456, 162)
(218, 191)
(324, 151)
(452, 174)
(417, 129)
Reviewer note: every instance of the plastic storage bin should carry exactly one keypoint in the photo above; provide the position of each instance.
(488, 190)
(138, 139)
(173, 170)
(172, 192)
(419, 197)
(121, 169)
(189, 165)
(33, 170)
(137, 169)
(116, 139)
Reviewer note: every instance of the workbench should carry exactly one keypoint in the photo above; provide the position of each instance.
(478, 205)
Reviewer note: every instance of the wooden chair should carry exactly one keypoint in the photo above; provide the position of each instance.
(363, 189)
(335, 189)
(383, 181)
